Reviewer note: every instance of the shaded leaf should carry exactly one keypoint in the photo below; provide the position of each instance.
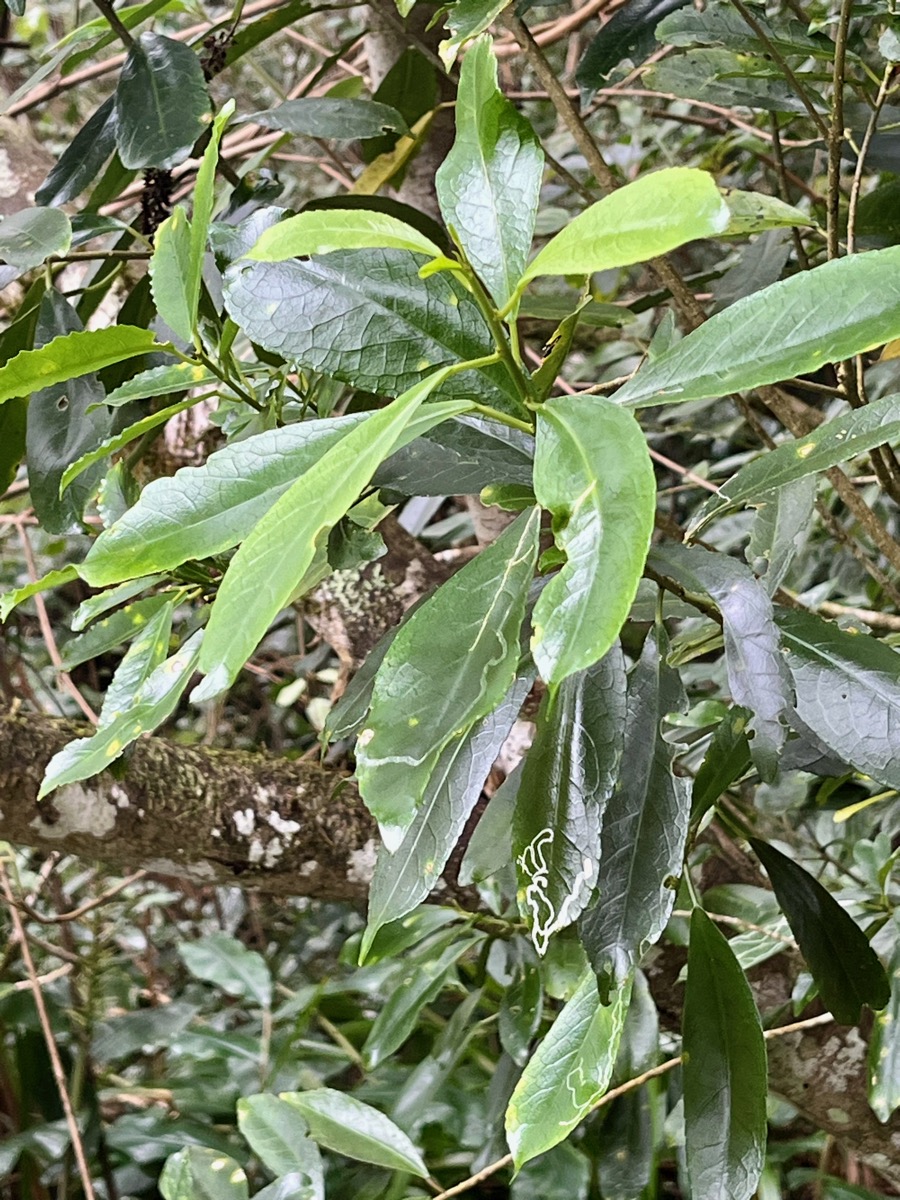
(593, 473)
(489, 184)
(490, 846)
(567, 779)
(783, 520)
(726, 760)
(88, 610)
(277, 1135)
(28, 237)
(884, 1049)
(198, 1173)
(11, 600)
(644, 830)
(724, 1068)
(332, 117)
(721, 77)
(450, 664)
(343, 1123)
(82, 160)
(521, 1010)
(71, 356)
(224, 961)
(460, 457)
(629, 33)
(568, 1073)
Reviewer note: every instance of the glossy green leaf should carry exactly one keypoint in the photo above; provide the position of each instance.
(170, 274)
(28, 237)
(332, 117)
(724, 1069)
(277, 1134)
(11, 600)
(644, 830)
(490, 845)
(202, 511)
(275, 556)
(568, 1073)
(753, 212)
(593, 473)
(835, 441)
(848, 691)
(71, 356)
(842, 308)
(162, 105)
(781, 529)
(466, 19)
(61, 427)
(843, 964)
(521, 1010)
(449, 665)
(629, 33)
(757, 676)
(145, 708)
(884, 1047)
(489, 183)
(344, 1124)
(88, 610)
(222, 960)
(251, 34)
(727, 759)
(655, 214)
(199, 1173)
(124, 625)
(567, 779)
(460, 457)
(403, 879)
(161, 381)
(319, 232)
(367, 318)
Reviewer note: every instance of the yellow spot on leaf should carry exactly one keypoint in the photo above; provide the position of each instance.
(805, 451)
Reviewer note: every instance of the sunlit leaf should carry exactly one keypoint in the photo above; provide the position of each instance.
(319, 232)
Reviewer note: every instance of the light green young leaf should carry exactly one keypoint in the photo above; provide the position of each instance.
(842, 308)
(567, 778)
(342, 1123)
(221, 959)
(449, 665)
(655, 214)
(266, 570)
(568, 1073)
(277, 1134)
(321, 231)
(198, 1173)
(88, 610)
(753, 212)
(149, 706)
(593, 473)
(489, 183)
(72, 355)
(11, 600)
(204, 199)
(124, 625)
(724, 1071)
(466, 19)
(170, 274)
(160, 381)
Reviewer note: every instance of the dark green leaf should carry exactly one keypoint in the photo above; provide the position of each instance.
(71, 356)
(82, 160)
(724, 1067)
(757, 675)
(567, 779)
(227, 963)
(460, 457)
(568, 1073)
(13, 421)
(449, 665)
(630, 33)
(837, 952)
(328, 117)
(403, 879)
(162, 105)
(521, 1010)
(592, 471)
(720, 24)
(783, 520)
(848, 691)
(198, 1173)
(343, 1123)
(884, 1047)
(366, 318)
(253, 33)
(61, 428)
(31, 235)
(644, 831)
(490, 846)
(720, 77)
(726, 760)
(489, 183)
(411, 87)
(277, 1134)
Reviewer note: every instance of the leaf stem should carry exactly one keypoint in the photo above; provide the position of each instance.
(115, 23)
(496, 415)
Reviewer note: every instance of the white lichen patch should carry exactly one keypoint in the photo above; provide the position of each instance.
(199, 872)
(119, 796)
(263, 796)
(308, 868)
(285, 827)
(274, 851)
(362, 863)
(257, 851)
(244, 821)
(80, 810)
(846, 1057)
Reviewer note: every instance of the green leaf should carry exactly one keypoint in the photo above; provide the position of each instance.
(568, 1073)
(593, 473)
(161, 381)
(842, 308)
(222, 960)
(629, 33)
(162, 105)
(757, 676)
(13, 424)
(724, 1067)
(848, 691)
(721, 77)
(81, 162)
(467, 19)
(884, 1047)
(490, 845)
(61, 427)
(835, 441)
(204, 201)
(334, 118)
(146, 708)
(11, 600)
(780, 531)
(123, 626)
(70, 356)
(726, 760)
(170, 274)
(88, 610)
(655, 214)
(403, 879)
(843, 964)
(275, 556)
(644, 830)
(277, 1135)
(198, 1173)
(344, 1124)
(720, 24)
(567, 779)
(460, 458)
(449, 665)
(367, 318)
(28, 237)
(251, 34)
(489, 184)
(521, 1010)
(320, 232)
(753, 212)
(202, 511)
